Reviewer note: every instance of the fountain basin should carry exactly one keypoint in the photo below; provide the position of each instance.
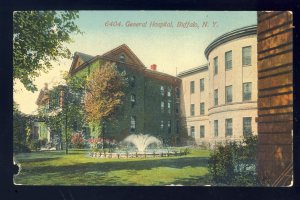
(141, 148)
(135, 155)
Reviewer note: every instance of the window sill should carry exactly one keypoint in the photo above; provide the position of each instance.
(246, 100)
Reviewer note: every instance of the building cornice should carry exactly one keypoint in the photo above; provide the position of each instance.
(234, 103)
(194, 70)
(235, 34)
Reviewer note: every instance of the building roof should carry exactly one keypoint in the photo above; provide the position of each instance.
(83, 56)
(234, 34)
(161, 76)
(111, 55)
(124, 48)
(194, 70)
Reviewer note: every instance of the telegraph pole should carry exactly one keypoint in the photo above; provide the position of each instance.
(66, 120)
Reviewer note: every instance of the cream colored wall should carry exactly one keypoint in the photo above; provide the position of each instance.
(238, 74)
(235, 77)
(196, 98)
(236, 112)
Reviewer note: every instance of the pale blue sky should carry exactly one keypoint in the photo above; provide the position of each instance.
(169, 48)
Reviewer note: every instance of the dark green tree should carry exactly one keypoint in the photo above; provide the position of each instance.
(234, 163)
(20, 130)
(66, 117)
(39, 37)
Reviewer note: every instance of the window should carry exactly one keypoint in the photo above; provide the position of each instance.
(202, 131)
(216, 128)
(228, 127)
(132, 99)
(132, 81)
(162, 106)
(202, 84)
(228, 60)
(193, 131)
(246, 54)
(202, 109)
(122, 58)
(216, 65)
(192, 109)
(247, 87)
(162, 90)
(169, 107)
(228, 94)
(177, 108)
(169, 126)
(132, 123)
(177, 93)
(47, 106)
(162, 124)
(216, 97)
(169, 92)
(192, 87)
(247, 128)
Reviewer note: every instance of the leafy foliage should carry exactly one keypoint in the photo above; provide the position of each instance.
(77, 140)
(38, 39)
(234, 163)
(20, 130)
(68, 118)
(105, 89)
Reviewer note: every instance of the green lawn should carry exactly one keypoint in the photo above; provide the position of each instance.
(77, 168)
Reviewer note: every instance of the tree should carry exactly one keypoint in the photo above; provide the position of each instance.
(20, 130)
(72, 108)
(38, 39)
(234, 163)
(66, 117)
(105, 93)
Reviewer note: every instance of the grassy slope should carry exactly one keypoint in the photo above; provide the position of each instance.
(77, 168)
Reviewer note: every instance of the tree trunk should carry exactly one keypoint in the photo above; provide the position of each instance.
(66, 129)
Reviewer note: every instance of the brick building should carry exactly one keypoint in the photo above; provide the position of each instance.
(275, 97)
(152, 98)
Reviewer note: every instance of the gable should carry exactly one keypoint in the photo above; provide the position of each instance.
(118, 53)
(78, 62)
(79, 59)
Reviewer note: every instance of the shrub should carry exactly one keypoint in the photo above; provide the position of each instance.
(20, 148)
(43, 141)
(187, 151)
(34, 145)
(234, 163)
(77, 140)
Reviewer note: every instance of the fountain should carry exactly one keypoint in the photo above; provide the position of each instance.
(141, 143)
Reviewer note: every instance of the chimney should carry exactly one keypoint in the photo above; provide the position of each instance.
(153, 67)
(46, 86)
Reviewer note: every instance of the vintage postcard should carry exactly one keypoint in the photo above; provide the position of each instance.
(153, 98)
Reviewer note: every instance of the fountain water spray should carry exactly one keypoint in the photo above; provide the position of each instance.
(142, 141)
